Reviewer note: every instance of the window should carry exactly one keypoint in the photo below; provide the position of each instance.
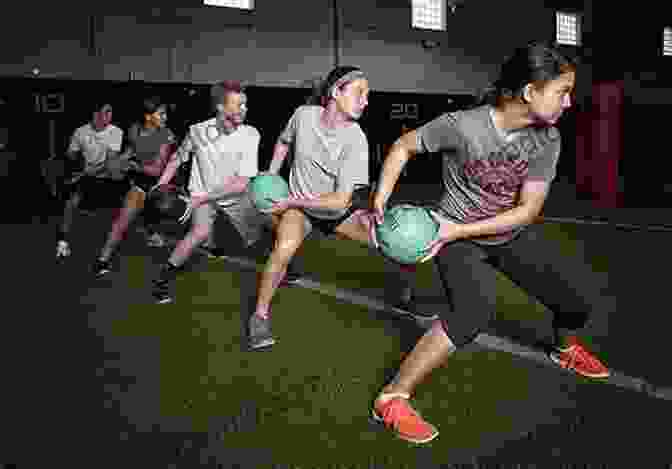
(429, 14)
(667, 41)
(567, 29)
(240, 4)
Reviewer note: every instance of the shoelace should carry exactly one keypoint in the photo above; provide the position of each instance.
(577, 354)
(395, 411)
(392, 413)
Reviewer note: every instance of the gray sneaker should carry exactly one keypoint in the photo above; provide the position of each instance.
(260, 333)
(161, 292)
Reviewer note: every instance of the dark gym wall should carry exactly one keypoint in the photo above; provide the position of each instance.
(627, 45)
(282, 43)
(173, 46)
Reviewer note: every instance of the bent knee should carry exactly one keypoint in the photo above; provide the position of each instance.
(356, 227)
(201, 232)
(135, 199)
(284, 250)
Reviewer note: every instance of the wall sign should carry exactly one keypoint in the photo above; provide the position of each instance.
(53, 102)
(405, 111)
(50, 102)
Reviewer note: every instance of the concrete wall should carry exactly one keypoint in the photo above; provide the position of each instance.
(280, 43)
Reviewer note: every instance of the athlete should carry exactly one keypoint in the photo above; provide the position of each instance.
(94, 144)
(224, 154)
(499, 160)
(150, 145)
(330, 168)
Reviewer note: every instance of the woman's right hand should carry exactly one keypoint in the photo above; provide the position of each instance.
(376, 213)
(132, 165)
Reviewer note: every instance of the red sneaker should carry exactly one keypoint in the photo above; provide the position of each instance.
(395, 412)
(580, 360)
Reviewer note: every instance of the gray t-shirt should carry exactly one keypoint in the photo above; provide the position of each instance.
(483, 171)
(217, 156)
(96, 145)
(147, 146)
(325, 160)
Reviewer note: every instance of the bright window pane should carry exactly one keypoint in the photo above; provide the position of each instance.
(567, 28)
(667, 41)
(429, 14)
(241, 4)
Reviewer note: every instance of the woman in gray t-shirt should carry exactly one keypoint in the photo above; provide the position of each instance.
(498, 163)
(150, 144)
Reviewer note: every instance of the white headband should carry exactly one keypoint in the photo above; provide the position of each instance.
(348, 77)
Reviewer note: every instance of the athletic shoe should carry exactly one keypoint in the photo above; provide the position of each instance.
(260, 333)
(397, 414)
(62, 249)
(215, 253)
(102, 267)
(161, 291)
(579, 360)
(156, 241)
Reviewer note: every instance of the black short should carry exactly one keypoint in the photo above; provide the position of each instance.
(564, 284)
(328, 227)
(360, 200)
(100, 192)
(143, 181)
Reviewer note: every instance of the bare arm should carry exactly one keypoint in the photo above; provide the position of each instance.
(169, 171)
(402, 150)
(232, 188)
(183, 153)
(335, 201)
(280, 152)
(156, 166)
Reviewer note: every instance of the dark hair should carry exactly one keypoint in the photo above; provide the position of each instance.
(537, 62)
(322, 94)
(219, 91)
(99, 105)
(151, 105)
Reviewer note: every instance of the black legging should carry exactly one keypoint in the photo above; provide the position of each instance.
(564, 284)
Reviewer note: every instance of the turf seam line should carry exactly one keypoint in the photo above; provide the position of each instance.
(611, 224)
(485, 340)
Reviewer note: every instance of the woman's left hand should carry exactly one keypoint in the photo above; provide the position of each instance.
(448, 232)
(279, 206)
(197, 199)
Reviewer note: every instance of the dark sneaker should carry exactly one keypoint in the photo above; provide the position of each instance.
(161, 292)
(102, 267)
(215, 253)
(156, 240)
(260, 333)
(62, 250)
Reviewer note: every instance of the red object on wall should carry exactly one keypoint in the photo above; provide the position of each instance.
(599, 144)
(583, 154)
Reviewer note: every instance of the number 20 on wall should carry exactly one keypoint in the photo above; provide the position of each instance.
(405, 111)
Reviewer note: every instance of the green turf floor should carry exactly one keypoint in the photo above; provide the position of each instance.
(180, 368)
(308, 398)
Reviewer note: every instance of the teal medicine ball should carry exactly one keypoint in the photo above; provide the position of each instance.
(406, 232)
(266, 188)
